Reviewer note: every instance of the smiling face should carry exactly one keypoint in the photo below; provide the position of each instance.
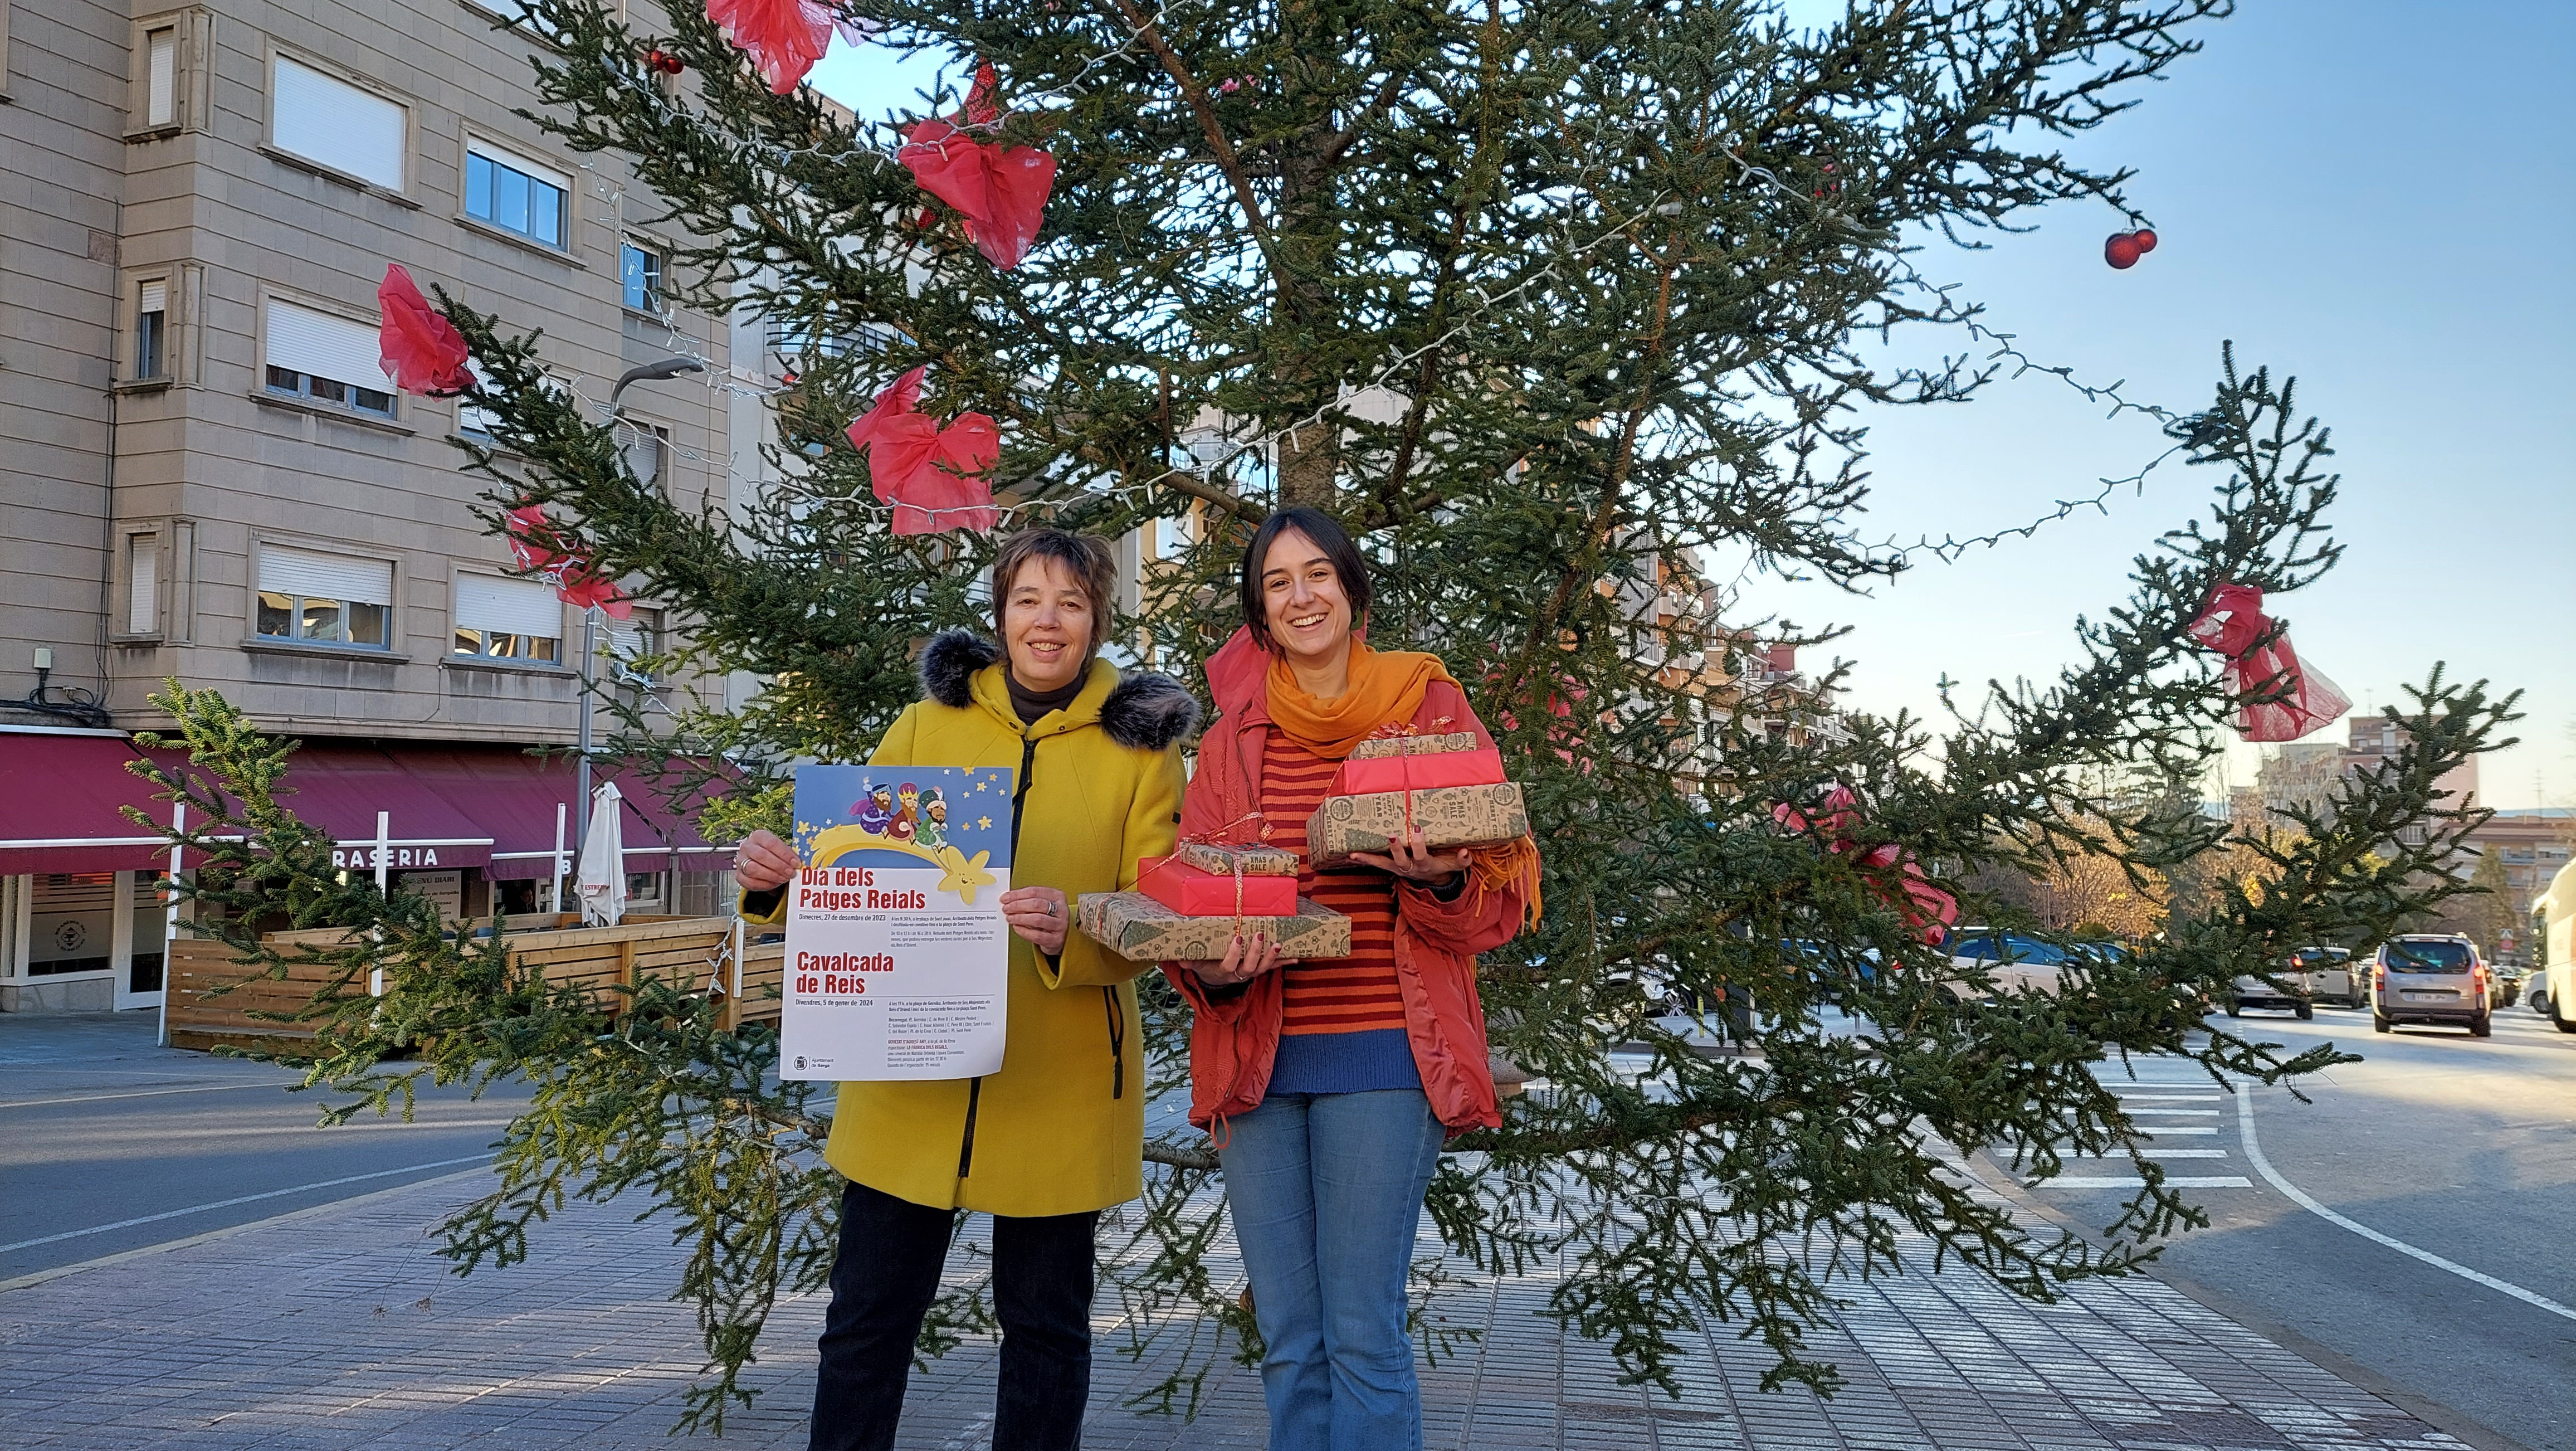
(1303, 602)
(1046, 625)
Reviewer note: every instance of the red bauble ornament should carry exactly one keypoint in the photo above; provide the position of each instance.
(2121, 251)
(2146, 239)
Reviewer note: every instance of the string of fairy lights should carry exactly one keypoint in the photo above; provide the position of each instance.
(1227, 451)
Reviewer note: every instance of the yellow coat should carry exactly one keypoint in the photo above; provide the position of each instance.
(1060, 1128)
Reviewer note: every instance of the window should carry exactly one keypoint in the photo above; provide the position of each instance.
(508, 619)
(632, 640)
(142, 583)
(515, 195)
(646, 447)
(639, 269)
(332, 123)
(322, 356)
(331, 599)
(152, 330)
(161, 76)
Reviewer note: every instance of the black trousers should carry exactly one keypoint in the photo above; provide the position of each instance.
(883, 1280)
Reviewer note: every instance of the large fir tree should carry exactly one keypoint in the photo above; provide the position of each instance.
(1554, 302)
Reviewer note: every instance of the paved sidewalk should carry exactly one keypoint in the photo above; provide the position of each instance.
(338, 1328)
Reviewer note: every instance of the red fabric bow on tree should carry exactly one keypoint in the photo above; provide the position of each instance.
(1002, 193)
(422, 351)
(930, 474)
(1927, 910)
(783, 37)
(2261, 662)
(542, 549)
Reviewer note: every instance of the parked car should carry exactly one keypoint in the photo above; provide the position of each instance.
(2426, 977)
(2508, 984)
(2330, 976)
(2288, 990)
(2016, 962)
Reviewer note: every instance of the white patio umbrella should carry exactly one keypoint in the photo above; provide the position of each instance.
(602, 879)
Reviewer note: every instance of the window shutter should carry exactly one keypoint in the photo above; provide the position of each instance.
(161, 78)
(476, 146)
(156, 296)
(330, 121)
(143, 581)
(508, 606)
(325, 346)
(325, 576)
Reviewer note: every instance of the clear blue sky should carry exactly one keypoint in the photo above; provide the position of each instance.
(2376, 197)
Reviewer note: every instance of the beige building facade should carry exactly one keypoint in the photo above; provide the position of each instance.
(208, 477)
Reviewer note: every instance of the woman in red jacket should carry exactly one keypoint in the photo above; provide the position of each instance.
(1329, 1086)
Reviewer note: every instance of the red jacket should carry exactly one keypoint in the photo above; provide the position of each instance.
(1234, 1041)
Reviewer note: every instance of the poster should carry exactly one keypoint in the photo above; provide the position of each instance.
(897, 953)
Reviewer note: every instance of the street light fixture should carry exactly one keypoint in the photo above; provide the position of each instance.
(654, 373)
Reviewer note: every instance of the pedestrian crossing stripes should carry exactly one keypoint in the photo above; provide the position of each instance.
(2159, 1131)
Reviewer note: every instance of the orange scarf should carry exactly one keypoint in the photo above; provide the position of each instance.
(1386, 689)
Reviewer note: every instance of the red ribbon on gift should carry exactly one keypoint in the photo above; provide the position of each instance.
(1927, 909)
(1214, 836)
(1368, 775)
(2260, 662)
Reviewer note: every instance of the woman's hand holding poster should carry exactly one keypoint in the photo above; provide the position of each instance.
(897, 953)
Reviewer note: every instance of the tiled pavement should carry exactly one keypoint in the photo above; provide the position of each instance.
(339, 1329)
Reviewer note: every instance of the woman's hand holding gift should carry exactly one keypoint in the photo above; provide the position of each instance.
(1412, 859)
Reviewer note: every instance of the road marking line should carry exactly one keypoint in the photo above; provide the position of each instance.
(2167, 1097)
(2162, 1131)
(2133, 1181)
(2158, 1154)
(228, 1231)
(2263, 1166)
(2173, 1113)
(243, 1199)
(146, 1093)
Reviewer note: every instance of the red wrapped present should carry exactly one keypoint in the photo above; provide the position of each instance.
(1194, 893)
(1367, 775)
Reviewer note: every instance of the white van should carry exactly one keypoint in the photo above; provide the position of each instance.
(2556, 910)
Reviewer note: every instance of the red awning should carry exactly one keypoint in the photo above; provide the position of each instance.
(339, 786)
(515, 796)
(674, 824)
(60, 792)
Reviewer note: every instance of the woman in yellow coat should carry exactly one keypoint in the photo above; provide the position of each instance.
(1057, 1135)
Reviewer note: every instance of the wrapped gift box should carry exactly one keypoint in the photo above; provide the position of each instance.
(1140, 929)
(1448, 817)
(1414, 745)
(1195, 893)
(1362, 775)
(1226, 860)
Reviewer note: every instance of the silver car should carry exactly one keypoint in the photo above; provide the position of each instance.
(2431, 978)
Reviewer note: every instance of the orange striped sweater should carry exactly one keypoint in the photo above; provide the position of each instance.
(1343, 1028)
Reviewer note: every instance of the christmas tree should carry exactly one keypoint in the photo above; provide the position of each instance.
(1553, 303)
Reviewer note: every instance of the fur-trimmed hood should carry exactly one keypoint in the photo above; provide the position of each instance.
(1146, 711)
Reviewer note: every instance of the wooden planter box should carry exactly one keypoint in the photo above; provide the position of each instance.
(696, 952)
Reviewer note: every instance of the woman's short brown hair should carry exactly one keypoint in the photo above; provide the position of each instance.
(1088, 560)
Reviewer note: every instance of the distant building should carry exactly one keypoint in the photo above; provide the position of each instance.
(2534, 844)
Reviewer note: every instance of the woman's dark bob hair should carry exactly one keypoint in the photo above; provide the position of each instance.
(1330, 537)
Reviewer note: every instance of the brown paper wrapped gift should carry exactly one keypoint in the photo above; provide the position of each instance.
(1415, 745)
(1140, 929)
(1221, 860)
(1449, 817)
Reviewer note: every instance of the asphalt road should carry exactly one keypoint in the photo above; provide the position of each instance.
(2461, 1148)
(109, 1143)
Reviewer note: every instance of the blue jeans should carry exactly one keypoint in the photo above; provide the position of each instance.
(1327, 1193)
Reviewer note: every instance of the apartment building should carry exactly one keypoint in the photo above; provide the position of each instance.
(208, 477)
